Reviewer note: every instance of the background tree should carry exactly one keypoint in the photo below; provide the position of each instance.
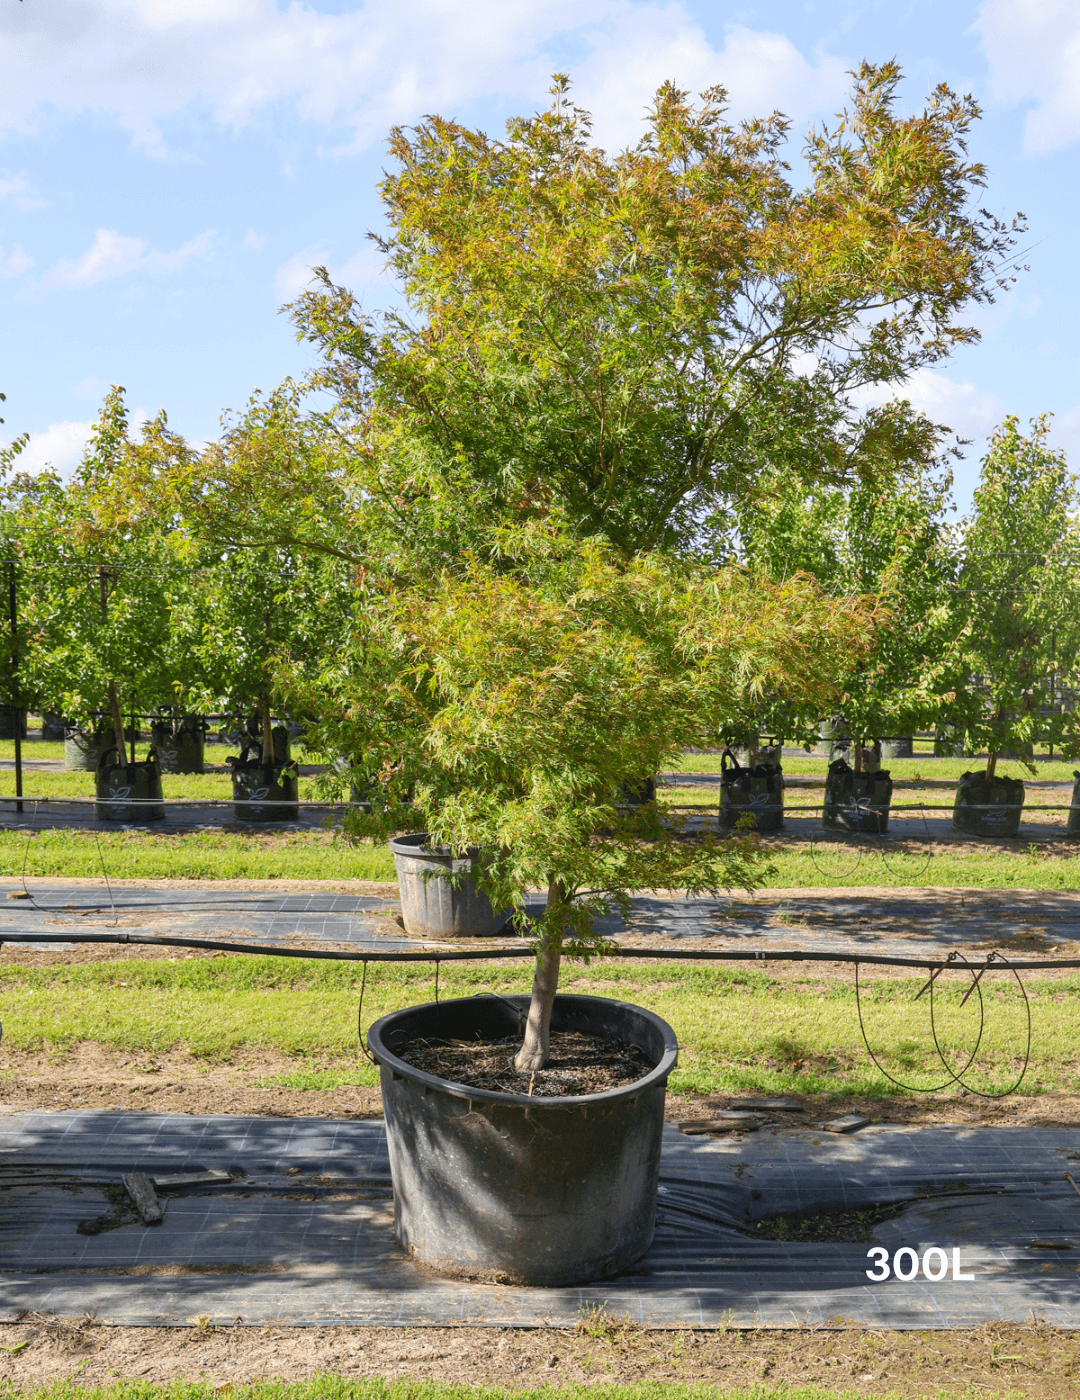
(886, 535)
(97, 594)
(1018, 598)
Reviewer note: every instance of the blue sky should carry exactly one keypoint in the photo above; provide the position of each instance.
(171, 169)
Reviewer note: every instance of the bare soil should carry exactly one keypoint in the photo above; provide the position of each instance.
(999, 1358)
(577, 1064)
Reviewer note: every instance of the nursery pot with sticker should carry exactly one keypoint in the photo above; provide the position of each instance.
(986, 808)
(128, 792)
(547, 1192)
(263, 792)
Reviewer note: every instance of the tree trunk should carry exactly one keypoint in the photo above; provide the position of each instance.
(753, 749)
(118, 723)
(857, 754)
(268, 731)
(991, 767)
(534, 1051)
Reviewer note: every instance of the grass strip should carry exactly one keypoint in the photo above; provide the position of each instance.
(192, 855)
(333, 1387)
(737, 1028)
(320, 855)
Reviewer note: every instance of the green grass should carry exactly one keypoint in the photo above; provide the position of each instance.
(195, 855)
(737, 1028)
(331, 1387)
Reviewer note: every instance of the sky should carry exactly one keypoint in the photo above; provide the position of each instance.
(170, 171)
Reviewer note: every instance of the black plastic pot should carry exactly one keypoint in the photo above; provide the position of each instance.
(638, 794)
(431, 907)
(948, 744)
(757, 793)
(1072, 827)
(856, 801)
(897, 748)
(128, 792)
(263, 792)
(9, 718)
(988, 809)
(182, 751)
(53, 726)
(538, 1191)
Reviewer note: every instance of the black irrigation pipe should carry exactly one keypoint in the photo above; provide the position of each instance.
(993, 961)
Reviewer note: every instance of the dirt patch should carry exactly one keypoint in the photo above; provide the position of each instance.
(91, 1077)
(578, 1064)
(1000, 1358)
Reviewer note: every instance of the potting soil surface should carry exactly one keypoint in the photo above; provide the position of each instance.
(578, 1064)
(304, 1234)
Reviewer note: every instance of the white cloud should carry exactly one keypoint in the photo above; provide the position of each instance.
(143, 63)
(113, 254)
(1033, 48)
(60, 446)
(361, 273)
(21, 192)
(91, 388)
(648, 44)
(1065, 433)
(254, 242)
(15, 263)
(970, 412)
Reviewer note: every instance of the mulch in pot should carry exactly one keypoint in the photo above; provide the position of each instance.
(578, 1064)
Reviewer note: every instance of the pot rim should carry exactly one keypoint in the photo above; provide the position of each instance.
(411, 843)
(657, 1075)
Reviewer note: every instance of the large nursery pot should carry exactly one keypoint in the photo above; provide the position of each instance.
(264, 792)
(756, 792)
(857, 801)
(545, 1192)
(128, 792)
(897, 748)
(988, 809)
(182, 750)
(1072, 827)
(431, 907)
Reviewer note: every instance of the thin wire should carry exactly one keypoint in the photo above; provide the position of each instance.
(360, 1019)
(953, 1078)
(1004, 1093)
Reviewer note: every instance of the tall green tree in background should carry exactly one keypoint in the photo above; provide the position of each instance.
(1018, 597)
(886, 535)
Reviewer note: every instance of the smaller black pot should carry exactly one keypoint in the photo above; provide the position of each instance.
(264, 792)
(128, 792)
(184, 750)
(1072, 827)
(757, 793)
(53, 727)
(988, 809)
(10, 718)
(897, 748)
(857, 801)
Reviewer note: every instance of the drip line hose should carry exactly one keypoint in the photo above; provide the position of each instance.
(934, 966)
